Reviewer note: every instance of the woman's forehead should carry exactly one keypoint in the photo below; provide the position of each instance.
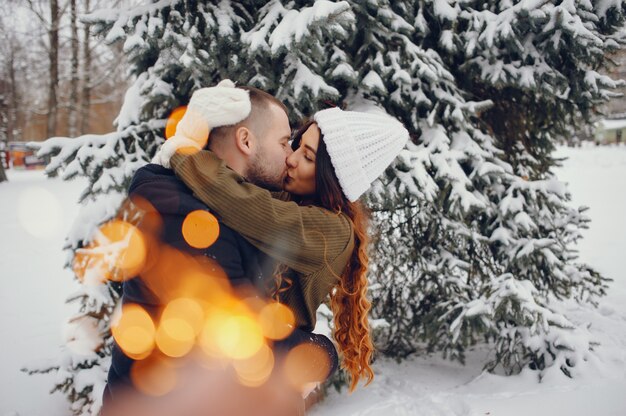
(311, 136)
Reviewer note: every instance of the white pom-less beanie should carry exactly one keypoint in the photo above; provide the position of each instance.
(360, 145)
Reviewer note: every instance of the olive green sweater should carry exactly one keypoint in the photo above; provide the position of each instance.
(312, 241)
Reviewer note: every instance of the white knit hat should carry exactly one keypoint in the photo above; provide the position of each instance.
(360, 145)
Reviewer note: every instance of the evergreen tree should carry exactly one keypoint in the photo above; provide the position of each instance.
(475, 235)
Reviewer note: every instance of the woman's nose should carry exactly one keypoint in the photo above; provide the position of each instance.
(291, 160)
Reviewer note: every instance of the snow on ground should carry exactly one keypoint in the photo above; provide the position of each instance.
(429, 386)
(35, 213)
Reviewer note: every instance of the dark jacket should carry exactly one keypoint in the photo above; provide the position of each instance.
(315, 243)
(173, 200)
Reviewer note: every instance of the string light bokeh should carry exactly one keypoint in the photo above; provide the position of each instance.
(200, 314)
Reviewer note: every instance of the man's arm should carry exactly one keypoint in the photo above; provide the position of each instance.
(304, 238)
(163, 199)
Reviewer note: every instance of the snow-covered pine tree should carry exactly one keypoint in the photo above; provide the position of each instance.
(492, 265)
(173, 48)
(475, 235)
(537, 61)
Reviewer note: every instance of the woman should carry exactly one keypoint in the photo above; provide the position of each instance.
(321, 235)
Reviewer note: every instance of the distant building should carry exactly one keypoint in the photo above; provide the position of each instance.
(610, 131)
(23, 157)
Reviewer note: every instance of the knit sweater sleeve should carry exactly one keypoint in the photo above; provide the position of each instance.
(305, 239)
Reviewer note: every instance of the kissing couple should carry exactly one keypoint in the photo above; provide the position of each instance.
(291, 227)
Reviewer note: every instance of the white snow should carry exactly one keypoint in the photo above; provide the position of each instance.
(430, 385)
(374, 82)
(256, 37)
(296, 23)
(133, 102)
(35, 215)
(344, 70)
(305, 79)
(446, 41)
(35, 286)
(445, 11)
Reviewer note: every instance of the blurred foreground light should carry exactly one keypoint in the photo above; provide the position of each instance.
(181, 320)
(239, 337)
(134, 331)
(159, 271)
(185, 309)
(154, 376)
(172, 121)
(255, 370)
(204, 286)
(137, 208)
(200, 229)
(276, 320)
(208, 337)
(117, 252)
(304, 364)
(89, 266)
(175, 337)
(39, 212)
(128, 248)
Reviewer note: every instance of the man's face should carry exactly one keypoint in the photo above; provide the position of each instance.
(267, 167)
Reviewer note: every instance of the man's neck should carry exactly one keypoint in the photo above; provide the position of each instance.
(232, 159)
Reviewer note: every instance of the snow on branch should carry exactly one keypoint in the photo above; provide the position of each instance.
(297, 24)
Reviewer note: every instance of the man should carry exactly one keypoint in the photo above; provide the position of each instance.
(256, 148)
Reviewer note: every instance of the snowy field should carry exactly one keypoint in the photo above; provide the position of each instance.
(35, 214)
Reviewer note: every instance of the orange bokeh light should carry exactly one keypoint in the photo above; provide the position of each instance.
(304, 364)
(172, 121)
(200, 229)
(181, 320)
(118, 252)
(89, 267)
(154, 376)
(132, 255)
(277, 320)
(185, 309)
(257, 369)
(208, 336)
(175, 337)
(239, 337)
(204, 285)
(134, 331)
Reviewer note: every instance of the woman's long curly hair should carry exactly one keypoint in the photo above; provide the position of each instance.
(348, 298)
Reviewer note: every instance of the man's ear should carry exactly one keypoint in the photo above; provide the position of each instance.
(244, 140)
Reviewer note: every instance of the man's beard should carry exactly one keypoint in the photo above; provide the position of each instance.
(259, 173)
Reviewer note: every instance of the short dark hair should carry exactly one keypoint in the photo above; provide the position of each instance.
(256, 120)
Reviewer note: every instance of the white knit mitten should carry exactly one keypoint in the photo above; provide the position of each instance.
(171, 146)
(211, 107)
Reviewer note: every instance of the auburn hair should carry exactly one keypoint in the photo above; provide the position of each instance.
(348, 298)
